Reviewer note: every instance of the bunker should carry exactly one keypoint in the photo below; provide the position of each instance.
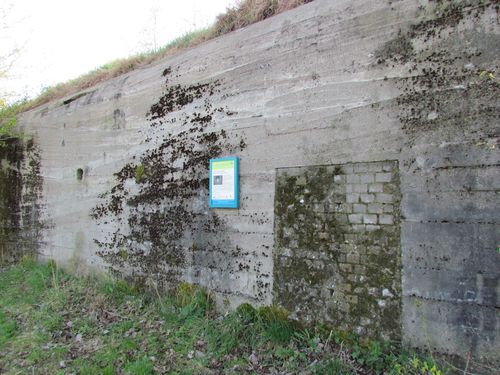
(367, 139)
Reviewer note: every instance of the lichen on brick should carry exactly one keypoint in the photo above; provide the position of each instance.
(330, 265)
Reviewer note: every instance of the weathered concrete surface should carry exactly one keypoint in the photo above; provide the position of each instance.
(20, 204)
(330, 83)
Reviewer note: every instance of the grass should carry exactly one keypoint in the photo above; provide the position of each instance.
(54, 323)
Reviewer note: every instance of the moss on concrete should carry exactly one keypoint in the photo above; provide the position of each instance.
(329, 267)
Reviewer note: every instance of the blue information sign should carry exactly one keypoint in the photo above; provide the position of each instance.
(224, 183)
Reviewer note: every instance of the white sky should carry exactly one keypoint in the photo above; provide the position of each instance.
(62, 39)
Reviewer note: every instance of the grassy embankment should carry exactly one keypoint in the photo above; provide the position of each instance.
(54, 323)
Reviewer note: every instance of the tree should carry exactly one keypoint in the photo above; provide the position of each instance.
(8, 119)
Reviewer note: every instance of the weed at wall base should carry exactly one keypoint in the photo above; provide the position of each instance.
(51, 321)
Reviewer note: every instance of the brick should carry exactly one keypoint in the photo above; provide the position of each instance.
(352, 178)
(286, 252)
(350, 237)
(390, 188)
(370, 219)
(318, 207)
(383, 177)
(386, 219)
(353, 258)
(371, 228)
(301, 181)
(323, 236)
(384, 198)
(348, 168)
(367, 178)
(352, 299)
(356, 218)
(361, 167)
(360, 188)
(338, 178)
(349, 188)
(375, 208)
(357, 228)
(375, 167)
(347, 208)
(367, 198)
(387, 293)
(353, 278)
(360, 270)
(338, 198)
(344, 306)
(376, 188)
(341, 218)
(388, 167)
(352, 198)
(388, 208)
(339, 188)
(359, 208)
(345, 267)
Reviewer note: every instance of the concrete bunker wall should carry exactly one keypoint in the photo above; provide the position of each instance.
(333, 86)
(20, 199)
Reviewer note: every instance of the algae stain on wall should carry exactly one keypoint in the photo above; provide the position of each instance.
(11, 156)
(447, 100)
(20, 200)
(159, 204)
(337, 256)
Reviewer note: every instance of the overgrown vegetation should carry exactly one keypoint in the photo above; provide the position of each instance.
(52, 323)
(8, 121)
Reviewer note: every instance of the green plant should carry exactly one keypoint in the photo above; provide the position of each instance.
(8, 328)
(8, 120)
(117, 290)
(193, 300)
(140, 173)
(141, 366)
(246, 313)
(112, 329)
(488, 74)
(333, 366)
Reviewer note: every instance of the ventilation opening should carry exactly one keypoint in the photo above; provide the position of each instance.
(76, 97)
(79, 174)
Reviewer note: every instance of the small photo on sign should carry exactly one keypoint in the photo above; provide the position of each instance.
(217, 180)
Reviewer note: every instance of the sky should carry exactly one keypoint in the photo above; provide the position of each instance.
(61, 39)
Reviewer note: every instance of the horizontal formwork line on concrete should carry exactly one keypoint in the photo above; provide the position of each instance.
(442, 179)
(478, 166)
(449, 221)
(453, 302)
(415, 273)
